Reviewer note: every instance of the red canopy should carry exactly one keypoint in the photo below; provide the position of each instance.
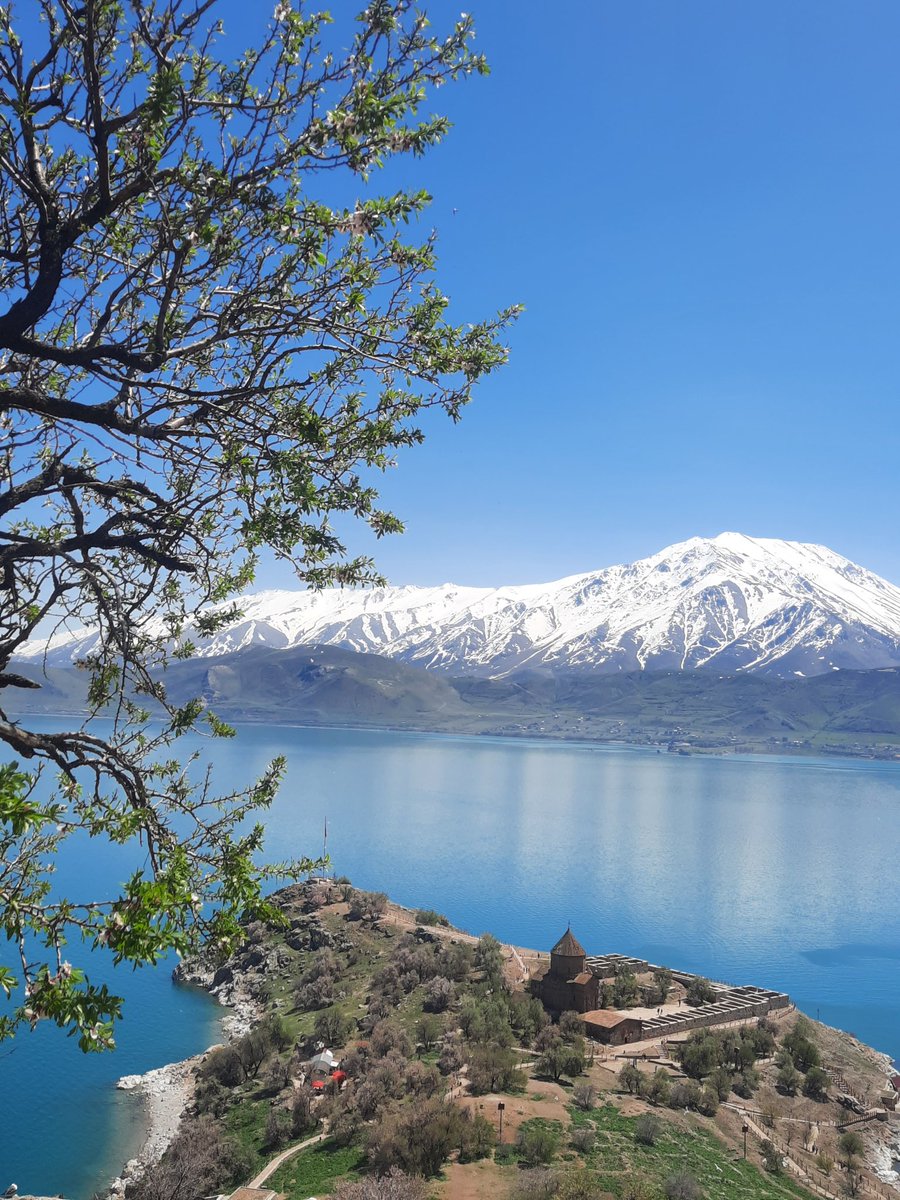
(318, 1084)
(340, 1076)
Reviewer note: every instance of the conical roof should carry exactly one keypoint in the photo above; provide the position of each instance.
(569, 946)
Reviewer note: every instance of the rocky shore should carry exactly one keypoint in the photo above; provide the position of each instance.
(238, 984)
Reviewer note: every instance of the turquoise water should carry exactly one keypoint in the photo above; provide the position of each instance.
(772, 871)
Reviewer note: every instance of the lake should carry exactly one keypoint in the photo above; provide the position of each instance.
(774, 871)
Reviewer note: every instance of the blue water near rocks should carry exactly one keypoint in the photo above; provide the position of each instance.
(774, 871)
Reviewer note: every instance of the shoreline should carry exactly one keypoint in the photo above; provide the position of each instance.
(653, 741)
(166, 1092)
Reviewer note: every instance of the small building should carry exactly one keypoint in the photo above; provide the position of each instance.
(612, 1027)
(323, 1065)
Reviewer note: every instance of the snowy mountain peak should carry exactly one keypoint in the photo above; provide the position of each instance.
(728, 603)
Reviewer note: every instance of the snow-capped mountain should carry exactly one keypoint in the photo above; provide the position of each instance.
(730, 603)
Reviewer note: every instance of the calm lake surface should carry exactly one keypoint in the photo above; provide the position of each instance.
(775, 871)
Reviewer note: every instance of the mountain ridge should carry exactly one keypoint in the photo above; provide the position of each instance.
(732, 604)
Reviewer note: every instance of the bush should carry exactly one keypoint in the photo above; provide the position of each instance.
(394, 1185)
(631, 1079)
(538, 1184)
(771, 1157)
(789, 1079)
(815, 1085)
(584, 1096)
(682, 1186)
(685, 1093)
(583, 1139)
(439, 994)
(366, 906)
(537, 1144)
(427, 916)
(571, 1026)
(700, 991)
(658, 1088)
(332, 1026)
(647, 1129)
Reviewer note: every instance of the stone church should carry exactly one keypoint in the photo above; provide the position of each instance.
(568, 984)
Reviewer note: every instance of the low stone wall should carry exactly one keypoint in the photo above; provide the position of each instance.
(738, 1004)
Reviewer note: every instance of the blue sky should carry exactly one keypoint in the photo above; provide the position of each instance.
(698, 204)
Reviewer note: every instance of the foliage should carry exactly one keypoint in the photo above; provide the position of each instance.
(815, 1085)
(537, 1141)
(647, 1129)
(682, 1186)
(427, 916)
(393, 1185)
(799, 1043)
(562, 1058)
(584, 1095)
(201, 1159)
(201, 358)
(700, 991)
(851, 1147)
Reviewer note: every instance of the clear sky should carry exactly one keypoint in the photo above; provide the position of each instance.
(698, 204)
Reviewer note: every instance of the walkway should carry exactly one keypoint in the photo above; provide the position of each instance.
(271, 1167)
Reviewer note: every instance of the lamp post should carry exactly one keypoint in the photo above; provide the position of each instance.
(744, 1130)
(500, 1109)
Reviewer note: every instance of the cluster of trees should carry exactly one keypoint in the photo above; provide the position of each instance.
(799, 1062)
(724, 1059)
(228, 1067)
(561, 1047)
(394, 1105)
(437, 966)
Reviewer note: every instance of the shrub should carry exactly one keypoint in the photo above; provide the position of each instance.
(332, 1026)
(682, 1186)
(631, 1079)
(789, 1079)
(427, 916)
(700, 991)
(562, 1058)
(815, 1085)
(571, 1026)
(685, 1093)
(394, 1185)
(439, 994)
(771, 1157)
(368, 906)
(538, 1184)
(647, 1129)
(583, 1139)
(537, 1144)
(584, 1096)
(658, 1088)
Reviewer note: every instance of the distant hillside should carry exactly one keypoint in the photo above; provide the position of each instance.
(327, 685)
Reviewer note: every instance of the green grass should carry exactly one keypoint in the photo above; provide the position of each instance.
(246, 1123)
(617, 1157)
(315, 1171)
